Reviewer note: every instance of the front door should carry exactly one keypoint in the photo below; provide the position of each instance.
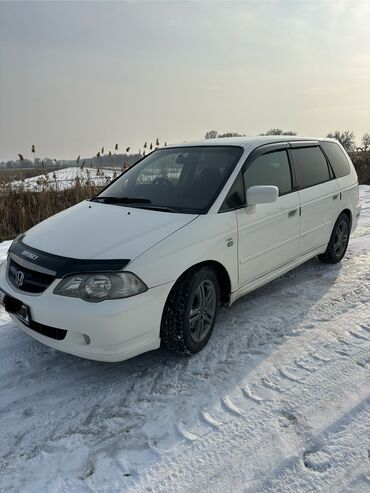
(268, 234)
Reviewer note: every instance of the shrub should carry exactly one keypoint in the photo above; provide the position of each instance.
(361, 161)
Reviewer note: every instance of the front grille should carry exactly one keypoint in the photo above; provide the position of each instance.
(28, 280)
(45, 330)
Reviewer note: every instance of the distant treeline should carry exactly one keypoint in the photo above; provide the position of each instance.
(103, 158)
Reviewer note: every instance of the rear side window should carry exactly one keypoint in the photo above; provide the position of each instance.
(337, 159)
(311, 167)
(270, 169)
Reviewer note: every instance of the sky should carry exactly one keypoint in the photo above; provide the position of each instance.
(76, 76)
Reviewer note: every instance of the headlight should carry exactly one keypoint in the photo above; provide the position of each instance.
(101, 286)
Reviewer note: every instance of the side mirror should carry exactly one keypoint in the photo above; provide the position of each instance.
(262, 194)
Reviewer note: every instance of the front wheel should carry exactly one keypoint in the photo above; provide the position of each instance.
(338, 242)
(190, 312)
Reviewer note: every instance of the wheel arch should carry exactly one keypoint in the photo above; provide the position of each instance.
(223, 277)
(174, 332)
(349, 214)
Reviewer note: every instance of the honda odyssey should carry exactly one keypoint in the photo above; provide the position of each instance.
(186, 229)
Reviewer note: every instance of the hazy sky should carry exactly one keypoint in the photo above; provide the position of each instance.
(75, 76)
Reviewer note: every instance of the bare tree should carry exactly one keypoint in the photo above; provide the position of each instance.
(346, 138)
(230, 134)
(279, 131)
(365, 141)
(211, 134)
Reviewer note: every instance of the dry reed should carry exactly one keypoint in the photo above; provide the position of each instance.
(20, 209)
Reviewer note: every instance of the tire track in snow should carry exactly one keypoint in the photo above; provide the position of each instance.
(246, 431)
(216, 418)
(249, 394)
(293, 380)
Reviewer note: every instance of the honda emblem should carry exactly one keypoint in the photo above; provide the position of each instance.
(19, 278)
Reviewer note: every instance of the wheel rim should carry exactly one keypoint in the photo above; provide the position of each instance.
(341, 238)
(202, 311)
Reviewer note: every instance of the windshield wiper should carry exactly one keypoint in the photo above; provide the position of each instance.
(158, 208)
(122, 200)
(137, 201)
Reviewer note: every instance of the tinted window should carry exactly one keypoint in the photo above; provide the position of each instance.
(183, 179)
(270, 169)
(236, 196)
(337, 158)
(310, 166)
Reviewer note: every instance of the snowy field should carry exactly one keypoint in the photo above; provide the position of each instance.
(279, 401)
(65, 178)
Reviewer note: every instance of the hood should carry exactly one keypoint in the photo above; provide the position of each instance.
(92, 230)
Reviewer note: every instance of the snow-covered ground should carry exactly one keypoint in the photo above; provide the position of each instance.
(279, 401)
(65, 178)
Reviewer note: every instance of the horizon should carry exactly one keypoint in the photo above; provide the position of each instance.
(79, 76)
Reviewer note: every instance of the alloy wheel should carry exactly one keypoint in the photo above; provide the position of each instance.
(341, 237)
(203, 310)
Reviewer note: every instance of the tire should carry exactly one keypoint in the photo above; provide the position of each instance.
(187, 324)
(338, 242)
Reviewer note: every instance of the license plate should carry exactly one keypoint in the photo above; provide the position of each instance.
(15, 307)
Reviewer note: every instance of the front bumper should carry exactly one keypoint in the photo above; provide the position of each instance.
(112, 330)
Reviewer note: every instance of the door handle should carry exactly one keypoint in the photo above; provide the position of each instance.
(292, 213)
(335, 196)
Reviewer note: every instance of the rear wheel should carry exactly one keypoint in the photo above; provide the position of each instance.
(338, 243)
(190, 312)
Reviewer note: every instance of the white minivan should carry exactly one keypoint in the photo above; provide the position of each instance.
(186, 229)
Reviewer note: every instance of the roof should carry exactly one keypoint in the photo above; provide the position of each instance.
(248, 142)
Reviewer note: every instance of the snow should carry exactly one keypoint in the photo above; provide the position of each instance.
(66, 178)
(4, 246)
(279, 401)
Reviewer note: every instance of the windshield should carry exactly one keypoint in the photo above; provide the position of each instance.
(181, 179)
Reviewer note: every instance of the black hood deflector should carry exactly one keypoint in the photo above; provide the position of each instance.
(63, 266)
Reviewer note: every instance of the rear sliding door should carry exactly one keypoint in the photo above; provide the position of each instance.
(319, 196)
